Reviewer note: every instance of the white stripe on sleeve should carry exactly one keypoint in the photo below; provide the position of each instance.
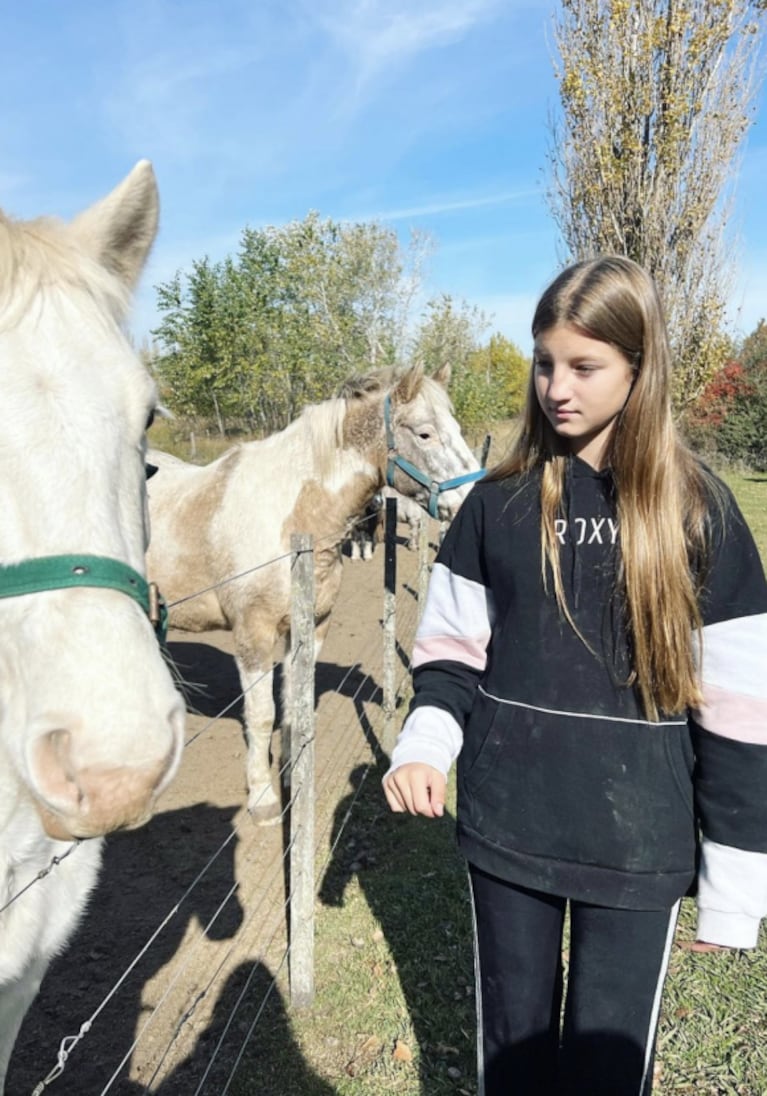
(430, 736)
(733, 679)
(456, 622)
(734, 653)
(732, 895)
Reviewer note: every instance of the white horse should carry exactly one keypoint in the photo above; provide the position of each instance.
(91, 725)
(317, 476)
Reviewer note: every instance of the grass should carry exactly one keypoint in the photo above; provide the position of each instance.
(394, 1008)
(750, 489)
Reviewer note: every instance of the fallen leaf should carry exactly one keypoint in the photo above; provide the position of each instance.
(402, 1052)
(366, 1051)
(372, 1044)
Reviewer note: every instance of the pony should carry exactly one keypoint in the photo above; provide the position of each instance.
(91, 725)
(236, 514)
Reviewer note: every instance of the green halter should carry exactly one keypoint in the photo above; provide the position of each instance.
(32, 576)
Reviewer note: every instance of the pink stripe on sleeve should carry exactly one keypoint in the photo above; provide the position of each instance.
(737, 716)
(471, 650)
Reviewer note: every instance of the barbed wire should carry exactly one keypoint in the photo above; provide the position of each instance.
(54, 863)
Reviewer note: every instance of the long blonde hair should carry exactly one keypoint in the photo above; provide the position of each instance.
(661, 489)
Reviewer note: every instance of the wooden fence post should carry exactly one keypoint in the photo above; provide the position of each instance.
(390, 628)
(302, 778)
(424, 549)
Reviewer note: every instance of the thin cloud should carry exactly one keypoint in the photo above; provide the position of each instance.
(432, 209)
(375, 35)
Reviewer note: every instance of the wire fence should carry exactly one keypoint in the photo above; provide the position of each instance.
(182, 910)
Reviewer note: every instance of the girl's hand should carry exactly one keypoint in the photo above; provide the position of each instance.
(416, 788)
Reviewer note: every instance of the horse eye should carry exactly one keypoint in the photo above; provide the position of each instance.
(150, 419)
(425, 435)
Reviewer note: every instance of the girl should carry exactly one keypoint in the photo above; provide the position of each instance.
(593, 651)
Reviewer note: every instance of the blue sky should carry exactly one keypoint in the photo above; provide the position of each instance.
(428, 114)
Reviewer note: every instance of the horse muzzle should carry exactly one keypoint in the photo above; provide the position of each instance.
(90, 801)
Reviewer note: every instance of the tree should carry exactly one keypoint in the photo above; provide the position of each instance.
(656, 97)
(283, 323)
(753, 353)
(505, 370)
(196, 373)
(449, 334)
(730, 416)
(747, 423)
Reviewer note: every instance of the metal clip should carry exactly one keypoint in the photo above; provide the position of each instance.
(154, 604)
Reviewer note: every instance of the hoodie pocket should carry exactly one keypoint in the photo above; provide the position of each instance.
(609, 793)
(483, 739)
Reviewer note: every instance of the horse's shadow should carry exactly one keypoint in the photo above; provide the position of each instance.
(145, 875)
(198, 662)
(207, 677)
(415, 884)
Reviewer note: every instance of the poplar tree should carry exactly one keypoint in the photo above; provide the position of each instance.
(656, 98)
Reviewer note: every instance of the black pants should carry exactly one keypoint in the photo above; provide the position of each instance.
(604, 1045)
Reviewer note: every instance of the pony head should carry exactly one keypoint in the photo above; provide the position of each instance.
(430, 449)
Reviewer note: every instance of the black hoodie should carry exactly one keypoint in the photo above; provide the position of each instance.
(563, 785)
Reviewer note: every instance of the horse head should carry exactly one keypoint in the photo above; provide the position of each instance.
(90, 722)
(428, 459)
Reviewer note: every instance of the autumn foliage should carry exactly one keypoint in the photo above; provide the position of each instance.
(730, 416)
(721, 395)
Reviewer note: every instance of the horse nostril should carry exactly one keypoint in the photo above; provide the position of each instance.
(54, 769)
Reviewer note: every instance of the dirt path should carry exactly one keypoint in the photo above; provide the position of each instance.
(204, 940)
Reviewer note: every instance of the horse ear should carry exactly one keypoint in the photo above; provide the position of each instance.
(443, 374)
(408, 384)
(120, 229)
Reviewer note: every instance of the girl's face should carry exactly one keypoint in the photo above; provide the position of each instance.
(582, 385)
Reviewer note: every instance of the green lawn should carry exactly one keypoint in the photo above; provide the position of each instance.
(750, 489)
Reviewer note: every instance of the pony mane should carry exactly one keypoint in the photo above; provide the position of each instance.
(41, 255)
(367, 385)
(323, 425)
(361, 385)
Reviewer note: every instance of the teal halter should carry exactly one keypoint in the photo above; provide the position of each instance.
(33, 576)
(435, 487)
